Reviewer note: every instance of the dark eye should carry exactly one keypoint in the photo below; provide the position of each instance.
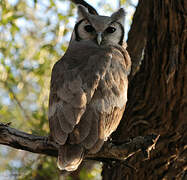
(89, 28)
(110, 29)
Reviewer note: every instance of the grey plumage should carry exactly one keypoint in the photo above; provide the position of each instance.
(88, 90)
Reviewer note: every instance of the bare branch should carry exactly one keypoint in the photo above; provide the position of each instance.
(122, 151)
(43, 145)
(29, 142)
(84, 3)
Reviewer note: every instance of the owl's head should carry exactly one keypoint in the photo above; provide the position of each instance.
(101, 30)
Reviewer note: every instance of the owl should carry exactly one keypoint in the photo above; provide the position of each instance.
(88, 90)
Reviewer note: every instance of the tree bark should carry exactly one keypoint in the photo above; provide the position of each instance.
(157, 96)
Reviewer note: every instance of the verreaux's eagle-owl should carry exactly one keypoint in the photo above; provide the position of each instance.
(89, 84)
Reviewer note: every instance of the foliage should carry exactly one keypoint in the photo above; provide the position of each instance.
(33, 36)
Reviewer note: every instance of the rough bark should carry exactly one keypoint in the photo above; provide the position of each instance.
(157, 97)
(137, 35)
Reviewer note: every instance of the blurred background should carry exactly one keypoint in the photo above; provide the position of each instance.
(34, 34)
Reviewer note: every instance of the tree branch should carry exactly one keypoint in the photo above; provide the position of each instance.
(84, 3)
(29, 142)
(43, 145)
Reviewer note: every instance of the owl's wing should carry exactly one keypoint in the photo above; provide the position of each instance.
(107, 106)
(71, 91)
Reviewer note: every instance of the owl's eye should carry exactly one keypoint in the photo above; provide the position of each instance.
(89, 28)
(110, 29)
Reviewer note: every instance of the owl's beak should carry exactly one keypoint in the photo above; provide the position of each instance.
(99, 38)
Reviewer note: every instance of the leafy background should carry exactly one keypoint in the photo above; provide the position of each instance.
(34, 34)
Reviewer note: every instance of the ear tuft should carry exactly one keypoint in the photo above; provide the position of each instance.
(119, 16)
(82, 12)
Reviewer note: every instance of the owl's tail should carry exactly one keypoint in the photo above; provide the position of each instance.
(70, 156)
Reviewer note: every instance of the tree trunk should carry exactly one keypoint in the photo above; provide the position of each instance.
(157, 97)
